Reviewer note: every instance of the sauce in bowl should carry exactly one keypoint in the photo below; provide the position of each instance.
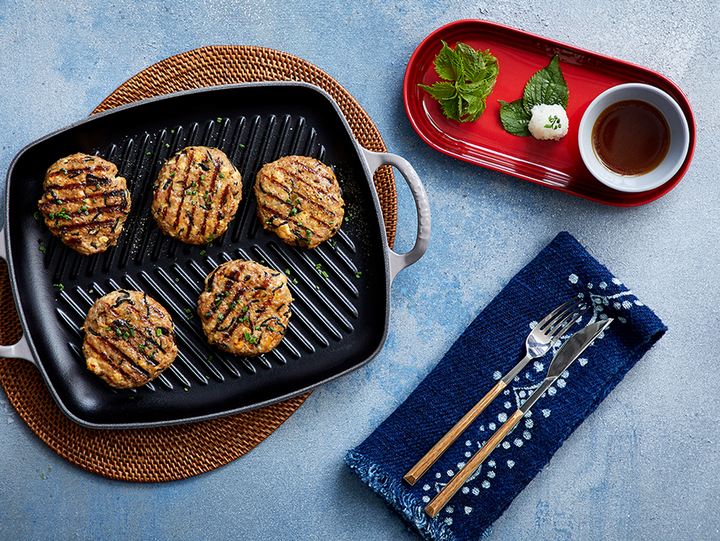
(631, 137)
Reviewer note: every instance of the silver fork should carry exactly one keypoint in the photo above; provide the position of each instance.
(539, 341)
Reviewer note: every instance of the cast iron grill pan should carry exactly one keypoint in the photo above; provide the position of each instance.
(341, 288)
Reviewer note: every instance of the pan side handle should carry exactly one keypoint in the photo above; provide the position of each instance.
(20, 349)
(400, 261)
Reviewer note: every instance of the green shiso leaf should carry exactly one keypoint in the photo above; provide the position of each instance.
(447, 65)
(546, 87)
(468, 79)
(442, 90)
(451, 107)
(515, 118)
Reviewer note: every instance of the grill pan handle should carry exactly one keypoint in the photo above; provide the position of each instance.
(400, 261)
(20, 349)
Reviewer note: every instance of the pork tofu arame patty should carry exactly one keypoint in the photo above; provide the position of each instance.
(197, 194)
(129, 339)
(300, 199)
(85, 203)
(245, 307)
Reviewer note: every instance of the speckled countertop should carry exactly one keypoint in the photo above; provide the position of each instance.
(645, 465)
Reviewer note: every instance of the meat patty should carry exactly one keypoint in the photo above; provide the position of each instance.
(245, 307)
(300, 199)
(129, 339)
(197, 194)
(85, 203)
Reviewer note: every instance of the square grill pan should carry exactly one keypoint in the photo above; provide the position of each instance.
(341, 288)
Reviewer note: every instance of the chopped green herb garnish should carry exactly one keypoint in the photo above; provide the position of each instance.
(554, 123)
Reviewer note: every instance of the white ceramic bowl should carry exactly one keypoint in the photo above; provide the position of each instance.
(679, 137)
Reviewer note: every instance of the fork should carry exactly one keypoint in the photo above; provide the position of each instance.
(542, 337)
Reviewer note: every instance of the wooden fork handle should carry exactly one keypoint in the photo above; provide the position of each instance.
(437, 503)
(424, 464)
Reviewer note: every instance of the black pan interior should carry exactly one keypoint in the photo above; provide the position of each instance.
(341, 288)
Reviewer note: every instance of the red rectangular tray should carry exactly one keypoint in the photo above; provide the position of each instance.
(485, 142)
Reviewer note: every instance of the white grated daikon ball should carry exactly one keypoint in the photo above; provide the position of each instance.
(548, 122)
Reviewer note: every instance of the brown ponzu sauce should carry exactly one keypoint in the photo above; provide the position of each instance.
(631, 137)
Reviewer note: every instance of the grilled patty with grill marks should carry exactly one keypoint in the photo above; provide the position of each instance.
(85, 203)
(300, 199)
(129, 339)
(245, 307)
(197, 194)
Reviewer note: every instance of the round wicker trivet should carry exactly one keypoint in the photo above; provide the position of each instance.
(179, 451)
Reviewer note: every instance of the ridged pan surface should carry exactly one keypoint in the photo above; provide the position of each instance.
(341, 288)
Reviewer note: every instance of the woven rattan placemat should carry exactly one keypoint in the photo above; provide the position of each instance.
(178, 451)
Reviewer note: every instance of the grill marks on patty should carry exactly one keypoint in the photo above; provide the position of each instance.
(196, 195)
(245, 307)
(129, 339)
(299, 198)
(85, 203)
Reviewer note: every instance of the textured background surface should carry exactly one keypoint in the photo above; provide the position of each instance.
(645, 465)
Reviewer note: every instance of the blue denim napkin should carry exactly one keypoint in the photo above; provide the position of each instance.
(486, 350)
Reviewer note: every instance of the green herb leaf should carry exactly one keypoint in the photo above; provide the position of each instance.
(547, 87)
(447, 64)
(469, 78)
(515, 118)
